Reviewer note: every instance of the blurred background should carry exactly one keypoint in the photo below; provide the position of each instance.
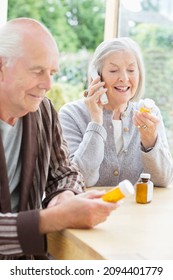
(79, 26)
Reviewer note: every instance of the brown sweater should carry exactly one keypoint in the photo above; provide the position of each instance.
(46, 169)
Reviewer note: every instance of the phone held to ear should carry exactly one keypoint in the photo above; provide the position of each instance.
(94, 75)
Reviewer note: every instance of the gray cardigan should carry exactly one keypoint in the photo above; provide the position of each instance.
(92, 147)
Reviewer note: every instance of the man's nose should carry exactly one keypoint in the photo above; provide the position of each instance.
(45, 82)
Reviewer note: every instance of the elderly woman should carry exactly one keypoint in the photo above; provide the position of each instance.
(116, 141)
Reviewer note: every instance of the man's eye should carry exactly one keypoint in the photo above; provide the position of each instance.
(38, 72)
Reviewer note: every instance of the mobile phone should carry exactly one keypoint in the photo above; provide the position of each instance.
(94, 75)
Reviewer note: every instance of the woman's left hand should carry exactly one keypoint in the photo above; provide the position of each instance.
(147, 125)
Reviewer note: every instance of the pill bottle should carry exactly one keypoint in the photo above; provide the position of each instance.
(147, 105)
(144, 189)
(124, 189)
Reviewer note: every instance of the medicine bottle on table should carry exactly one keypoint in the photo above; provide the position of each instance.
(144, 189)
(125, 188)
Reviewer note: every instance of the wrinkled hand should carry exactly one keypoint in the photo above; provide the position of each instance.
(80, 211)
(147, 125)
(60, 198)
(93, 210)
(92, 101)
(87, 210)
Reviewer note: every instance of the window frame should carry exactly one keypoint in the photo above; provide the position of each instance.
(111, 19)
(3, 11)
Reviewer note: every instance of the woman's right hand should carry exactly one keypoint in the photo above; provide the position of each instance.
(95, 107)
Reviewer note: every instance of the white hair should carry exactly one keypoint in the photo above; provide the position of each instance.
(12, 37)
(119, 44)
(10, 43)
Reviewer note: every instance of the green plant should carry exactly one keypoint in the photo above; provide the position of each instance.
(60, 93)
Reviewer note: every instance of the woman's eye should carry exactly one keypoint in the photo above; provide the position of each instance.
(113, 71)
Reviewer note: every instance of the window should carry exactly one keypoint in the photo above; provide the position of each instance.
(149, 23)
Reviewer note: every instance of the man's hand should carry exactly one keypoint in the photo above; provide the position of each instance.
(60, 198)
(77, 211)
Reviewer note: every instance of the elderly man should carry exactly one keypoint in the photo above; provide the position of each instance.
(34, 159)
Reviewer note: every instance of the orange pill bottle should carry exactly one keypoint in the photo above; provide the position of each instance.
(124, 189)
(144, 189)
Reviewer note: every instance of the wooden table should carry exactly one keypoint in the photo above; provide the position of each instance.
(133, 231)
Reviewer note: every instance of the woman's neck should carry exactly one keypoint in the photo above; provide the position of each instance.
(117, 111)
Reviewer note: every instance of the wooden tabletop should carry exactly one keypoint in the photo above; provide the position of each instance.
(133, 231)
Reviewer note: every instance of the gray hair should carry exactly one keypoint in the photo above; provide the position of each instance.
(10, 43)
(119, 44)
(12, 37)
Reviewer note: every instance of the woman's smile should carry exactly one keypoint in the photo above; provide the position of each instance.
(121, 89)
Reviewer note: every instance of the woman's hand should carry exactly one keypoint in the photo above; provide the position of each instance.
(147, 125)
(92, 100)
